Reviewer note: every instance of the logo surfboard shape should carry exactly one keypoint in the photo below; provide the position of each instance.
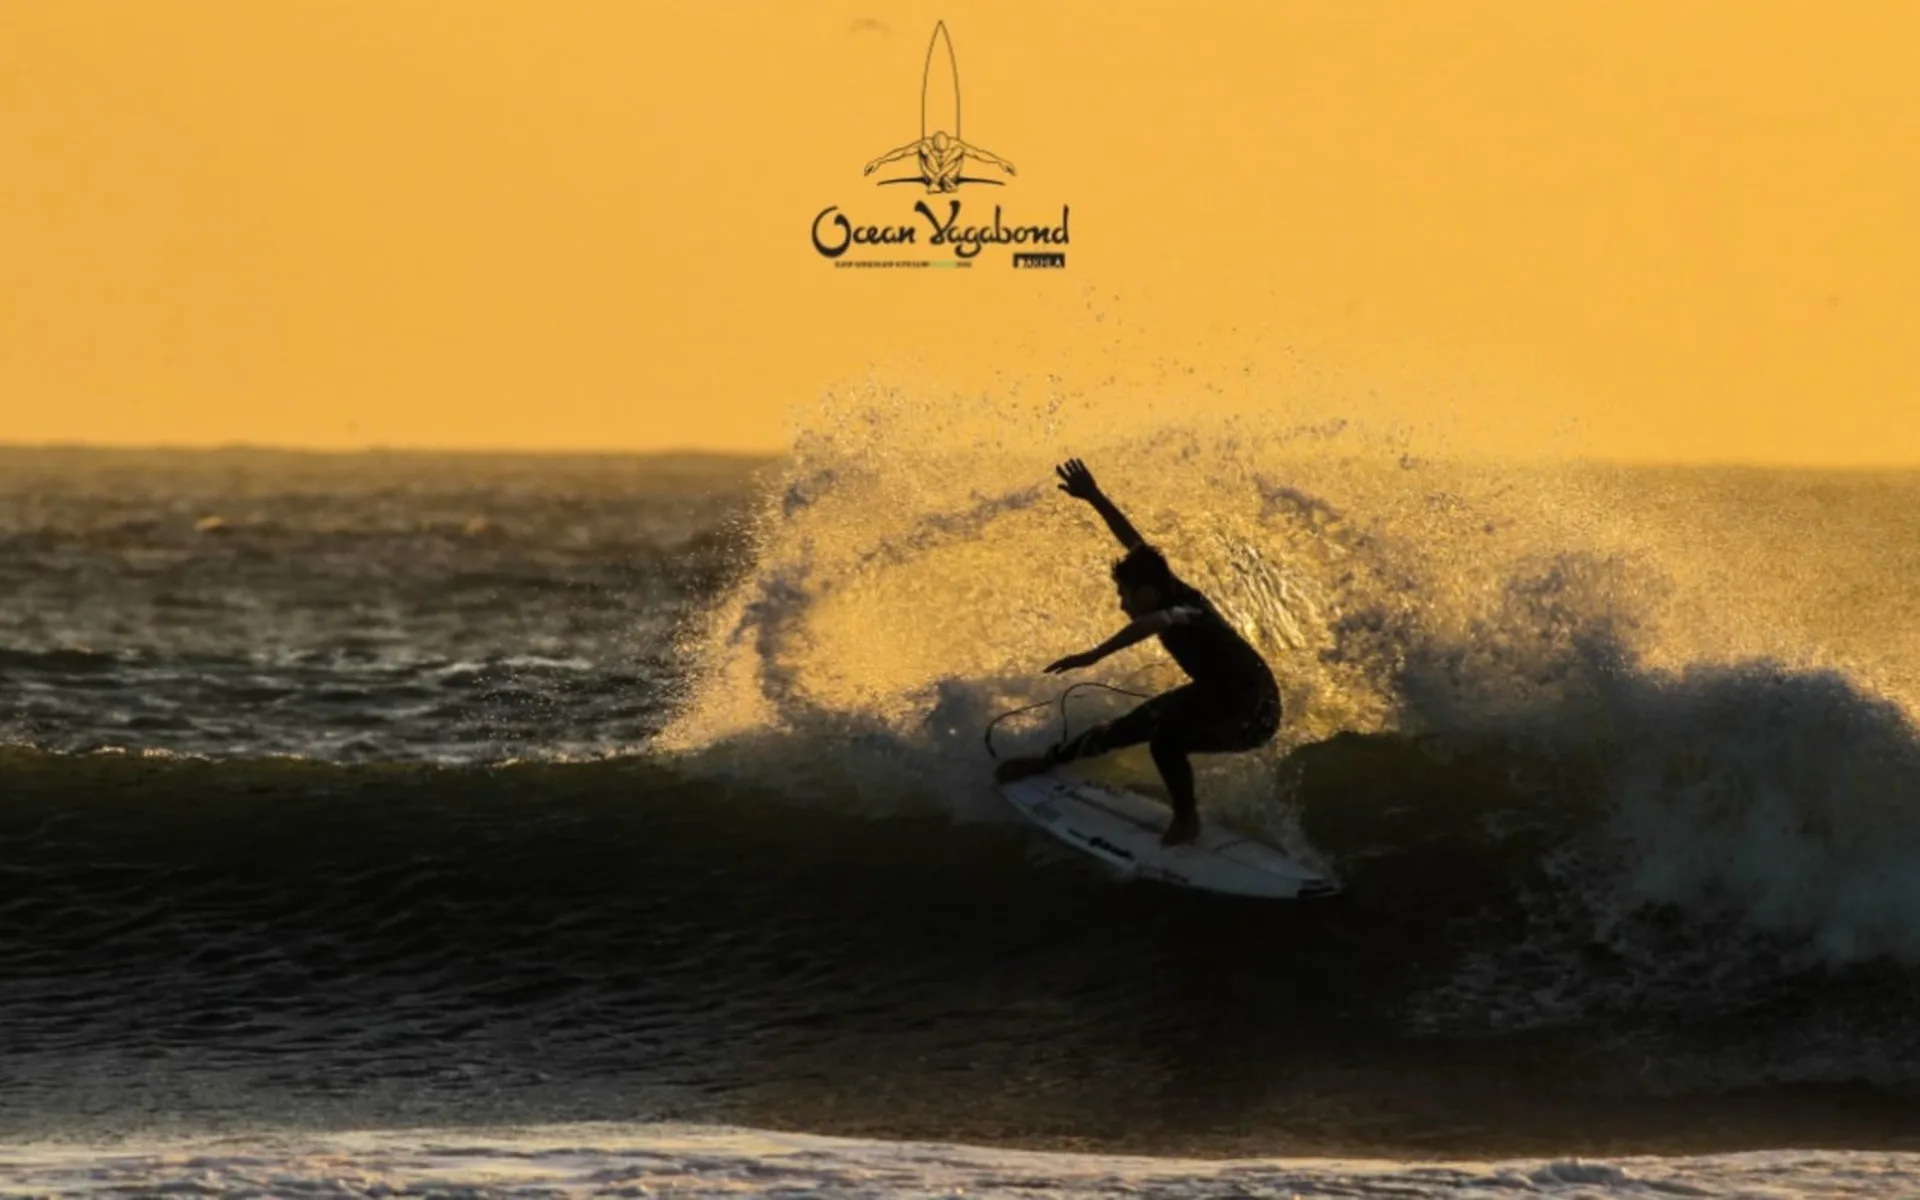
(940, 86)
(940, 151)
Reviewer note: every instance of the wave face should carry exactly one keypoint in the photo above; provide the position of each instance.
(387, 790)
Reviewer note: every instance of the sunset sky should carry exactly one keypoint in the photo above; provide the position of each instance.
(1627, 229)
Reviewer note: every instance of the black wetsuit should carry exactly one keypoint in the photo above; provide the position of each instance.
(1232, 704)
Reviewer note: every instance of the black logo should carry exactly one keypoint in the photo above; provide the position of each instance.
(941, 151)
(947, 162)
(1097, 842)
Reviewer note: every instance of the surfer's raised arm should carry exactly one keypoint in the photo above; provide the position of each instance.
(910, 148)
(1077, 481)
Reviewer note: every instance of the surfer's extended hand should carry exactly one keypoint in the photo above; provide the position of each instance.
(1073, 662)
(1076, 480)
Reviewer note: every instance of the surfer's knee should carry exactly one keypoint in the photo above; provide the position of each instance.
(1169, 749)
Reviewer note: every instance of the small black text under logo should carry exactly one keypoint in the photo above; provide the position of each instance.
(1039, 260)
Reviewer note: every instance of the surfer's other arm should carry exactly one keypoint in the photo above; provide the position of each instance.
(1139, 629)
(912, 147)
(1077, 481)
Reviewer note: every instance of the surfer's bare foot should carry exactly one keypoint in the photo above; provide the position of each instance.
(1019, 768)
(1185, 828)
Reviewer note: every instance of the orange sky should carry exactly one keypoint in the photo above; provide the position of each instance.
(1644, 230)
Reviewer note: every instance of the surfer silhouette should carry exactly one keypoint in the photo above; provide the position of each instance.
(941, 157)
(1232, 703)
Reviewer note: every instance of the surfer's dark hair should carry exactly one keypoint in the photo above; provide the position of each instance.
(1143, 567)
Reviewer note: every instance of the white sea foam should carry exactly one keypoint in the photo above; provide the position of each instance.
(1746, 739)
(566, 1161)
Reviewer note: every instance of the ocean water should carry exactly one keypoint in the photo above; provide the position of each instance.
(520, 825)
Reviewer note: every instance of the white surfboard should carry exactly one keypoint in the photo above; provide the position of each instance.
(1122, 829)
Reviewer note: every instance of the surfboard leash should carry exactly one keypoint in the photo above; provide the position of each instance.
(1061, 700)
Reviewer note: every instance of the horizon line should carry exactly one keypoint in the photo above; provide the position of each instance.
(9, 444)
(696, 451)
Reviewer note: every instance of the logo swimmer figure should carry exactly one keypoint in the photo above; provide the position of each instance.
(941, 157)
(942, 154)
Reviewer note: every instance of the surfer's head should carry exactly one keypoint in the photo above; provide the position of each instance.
(940, 141)
(1144, 579)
